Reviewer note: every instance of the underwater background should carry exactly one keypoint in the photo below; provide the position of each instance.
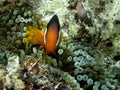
(87, 56)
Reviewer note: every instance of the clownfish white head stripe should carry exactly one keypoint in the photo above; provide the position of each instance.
(45, 36)
(58, 41)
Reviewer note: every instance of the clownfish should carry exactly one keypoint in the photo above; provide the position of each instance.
(52, 35)
(49, 39)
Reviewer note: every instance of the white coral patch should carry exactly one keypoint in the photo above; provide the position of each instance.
(13, 64)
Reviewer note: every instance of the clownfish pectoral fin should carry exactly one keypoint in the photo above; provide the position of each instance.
(53, 23)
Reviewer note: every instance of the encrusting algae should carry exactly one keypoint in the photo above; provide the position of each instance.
(49, 40)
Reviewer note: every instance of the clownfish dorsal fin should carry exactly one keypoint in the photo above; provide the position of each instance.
(53, 22)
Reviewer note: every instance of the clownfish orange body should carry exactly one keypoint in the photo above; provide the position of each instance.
(52, 35)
